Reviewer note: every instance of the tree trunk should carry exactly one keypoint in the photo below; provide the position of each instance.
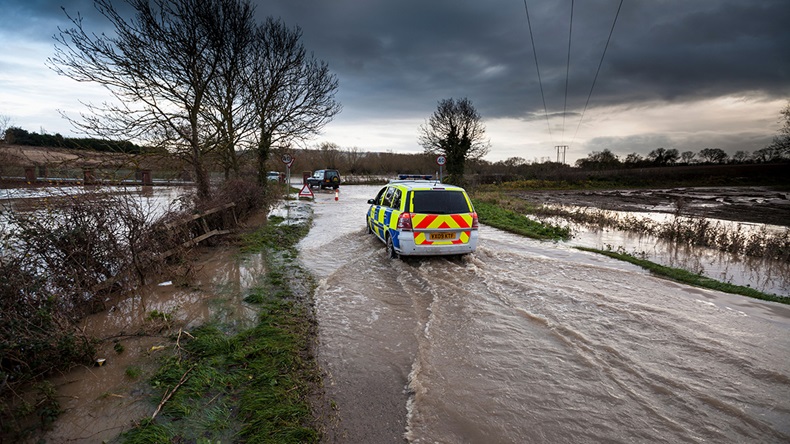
(264, 147)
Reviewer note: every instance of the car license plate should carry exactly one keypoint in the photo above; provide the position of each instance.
(441, 236)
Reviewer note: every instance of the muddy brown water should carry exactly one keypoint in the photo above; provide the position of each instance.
(528, 341)
(101, 402)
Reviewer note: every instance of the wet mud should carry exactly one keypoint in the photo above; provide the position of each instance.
(763, 205)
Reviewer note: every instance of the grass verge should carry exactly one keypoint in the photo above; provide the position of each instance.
(490, 212)
(253, 385)
(687, 277)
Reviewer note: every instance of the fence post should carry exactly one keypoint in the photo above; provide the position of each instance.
(145, 176)
(30, 174)
(88, 177)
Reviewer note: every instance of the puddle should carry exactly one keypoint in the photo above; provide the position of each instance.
(101, 402)
(294, 212)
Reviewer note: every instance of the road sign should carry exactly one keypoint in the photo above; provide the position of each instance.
(306, 191)
(441, 160)
(287, 159)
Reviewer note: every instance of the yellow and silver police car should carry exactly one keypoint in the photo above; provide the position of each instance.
(423, 218)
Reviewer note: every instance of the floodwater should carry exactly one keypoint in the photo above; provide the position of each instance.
(101, 402)
(527, 341)
(768, 275)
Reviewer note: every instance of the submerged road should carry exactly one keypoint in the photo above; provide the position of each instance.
(534, 342)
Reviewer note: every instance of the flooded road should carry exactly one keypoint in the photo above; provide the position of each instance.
(528, 341)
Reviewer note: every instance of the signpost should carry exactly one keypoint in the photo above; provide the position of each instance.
(441, 160)
(288, 160)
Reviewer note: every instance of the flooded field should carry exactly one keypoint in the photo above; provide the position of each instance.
(100, 402)
(528, 341)
(736, 215)
(765, 274)
(155, 200)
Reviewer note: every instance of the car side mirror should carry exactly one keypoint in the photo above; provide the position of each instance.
(372, 201)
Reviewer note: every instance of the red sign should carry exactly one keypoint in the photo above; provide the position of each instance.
(306, 191)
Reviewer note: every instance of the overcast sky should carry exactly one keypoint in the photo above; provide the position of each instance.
(677, 73)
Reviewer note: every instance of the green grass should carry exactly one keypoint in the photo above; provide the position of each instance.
(133, 372)
(243, 386)
(687, 277)
(491, 213)
(276, 237)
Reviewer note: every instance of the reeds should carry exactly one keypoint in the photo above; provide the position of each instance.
(738, 239)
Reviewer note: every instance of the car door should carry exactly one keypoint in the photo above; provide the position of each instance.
(383, 220)
(376, 214)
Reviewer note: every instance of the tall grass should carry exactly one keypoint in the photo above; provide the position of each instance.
(684, 230)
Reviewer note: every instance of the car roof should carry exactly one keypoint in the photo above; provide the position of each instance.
(425, 185)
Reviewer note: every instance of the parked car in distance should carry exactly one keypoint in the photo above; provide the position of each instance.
(423, 218)
(273, 176)
(324, 179)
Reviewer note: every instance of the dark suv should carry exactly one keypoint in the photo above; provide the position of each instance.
(324, 179)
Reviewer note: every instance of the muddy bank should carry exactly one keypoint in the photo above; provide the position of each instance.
(764, 205)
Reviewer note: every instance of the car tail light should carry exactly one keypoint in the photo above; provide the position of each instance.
(404, 221)
(475, 224)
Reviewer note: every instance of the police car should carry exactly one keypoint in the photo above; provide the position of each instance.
(423, 218)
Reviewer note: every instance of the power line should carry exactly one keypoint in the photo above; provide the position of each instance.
(540, 82)
(611, 31)
(567, 71)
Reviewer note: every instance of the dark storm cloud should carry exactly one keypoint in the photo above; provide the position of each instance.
(403, 56)
(38, 20)
(408, 54)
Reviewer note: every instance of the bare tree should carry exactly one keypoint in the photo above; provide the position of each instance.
(663, 156)
(599, 160)
(5, 123)
(231, 112)
(330, 154)
(293, 93)
(741, 156)
(781, 143)
(713, 155)
(455, 130)
(353, 158)
(159, 66)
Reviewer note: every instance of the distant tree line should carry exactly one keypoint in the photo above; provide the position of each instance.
(777, 151)
(603, 160)
(19, 136)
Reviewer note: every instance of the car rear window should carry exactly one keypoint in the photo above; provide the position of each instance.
(440, 202)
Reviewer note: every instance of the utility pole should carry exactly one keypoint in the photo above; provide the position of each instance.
(562, 148)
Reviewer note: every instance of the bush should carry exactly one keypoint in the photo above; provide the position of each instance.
(59, 264)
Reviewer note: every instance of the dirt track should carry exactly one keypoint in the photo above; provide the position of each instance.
(742, 204)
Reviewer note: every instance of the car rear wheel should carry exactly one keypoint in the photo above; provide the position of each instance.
(391, 253)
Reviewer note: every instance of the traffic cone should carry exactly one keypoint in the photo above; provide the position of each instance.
(337, 191)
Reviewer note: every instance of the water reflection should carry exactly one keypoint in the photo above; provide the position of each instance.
(763, 274)
(100, 402)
